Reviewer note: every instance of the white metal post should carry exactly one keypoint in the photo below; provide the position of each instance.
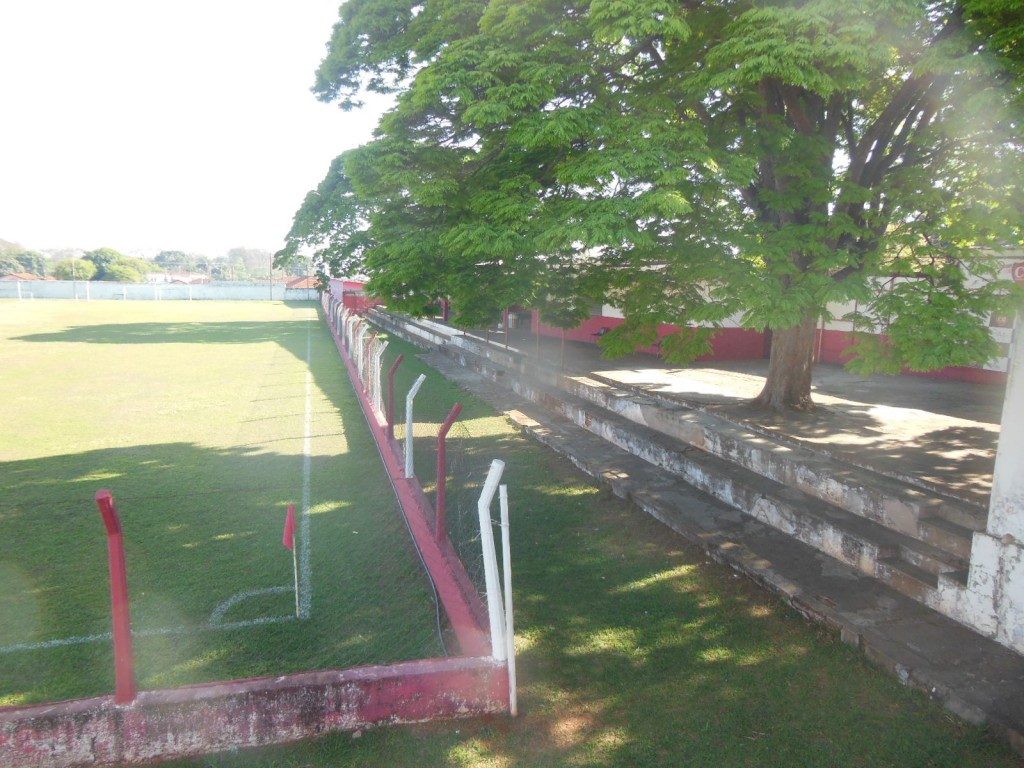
(351, 335)
(494, 610)
(408, 422)
(369, 350)
(510, 633)
(19, 290)
(360, 341)
(375, 378)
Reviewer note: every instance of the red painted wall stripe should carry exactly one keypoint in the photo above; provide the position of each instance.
(462, 603)
(748, 344)
(208, 718)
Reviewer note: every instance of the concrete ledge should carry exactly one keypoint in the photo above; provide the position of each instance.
(248, 713)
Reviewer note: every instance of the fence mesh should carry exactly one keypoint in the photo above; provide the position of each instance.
(468, 447)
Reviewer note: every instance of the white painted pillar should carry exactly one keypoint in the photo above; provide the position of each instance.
(993, 600)
(1006, 509)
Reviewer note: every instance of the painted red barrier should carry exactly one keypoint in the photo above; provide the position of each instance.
(461, 601)
(211, 717)
(124, 658)
(391, 395)
(440, 525)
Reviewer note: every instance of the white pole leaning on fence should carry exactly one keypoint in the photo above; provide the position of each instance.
(494, 609)
(364, 328)
(510, 633)
(408, 422)
(375, 378)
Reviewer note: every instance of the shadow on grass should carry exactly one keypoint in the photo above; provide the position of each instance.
(202, 524)
(635, 651)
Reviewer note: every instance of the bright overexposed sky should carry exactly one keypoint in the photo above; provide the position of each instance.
(144, 126)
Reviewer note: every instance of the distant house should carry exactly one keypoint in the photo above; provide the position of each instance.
(177, 278)
(307, 282)
(352, 294)
(21, 277)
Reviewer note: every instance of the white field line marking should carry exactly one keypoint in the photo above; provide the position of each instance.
(305, 559)
(217, 616)
(182, 630)
(215, 621)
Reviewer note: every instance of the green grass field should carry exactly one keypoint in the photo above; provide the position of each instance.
(634, 650)
(195, 415)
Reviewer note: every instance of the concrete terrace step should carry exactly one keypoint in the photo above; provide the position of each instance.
(898, 533)
(859, 542)
(972, 676)
(891, 502)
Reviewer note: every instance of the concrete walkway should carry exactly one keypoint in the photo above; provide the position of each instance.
(935, 433)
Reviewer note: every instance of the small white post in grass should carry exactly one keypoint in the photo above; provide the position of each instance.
(510, 633)
(408, 422)
(19, 290)
(494, 610)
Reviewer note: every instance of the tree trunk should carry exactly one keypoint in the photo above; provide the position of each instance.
(788, 386)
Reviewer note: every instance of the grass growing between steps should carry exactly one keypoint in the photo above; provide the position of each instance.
(634, 650)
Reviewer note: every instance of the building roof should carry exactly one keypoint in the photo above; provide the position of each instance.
(21, 276)
(306, 281)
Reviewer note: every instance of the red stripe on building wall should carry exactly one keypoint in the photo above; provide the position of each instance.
(748, 344)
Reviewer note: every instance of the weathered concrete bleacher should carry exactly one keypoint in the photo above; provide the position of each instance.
(907, 536)
(857, 549)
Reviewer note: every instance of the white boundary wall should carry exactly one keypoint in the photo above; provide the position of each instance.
(79, 289)
(993, 599)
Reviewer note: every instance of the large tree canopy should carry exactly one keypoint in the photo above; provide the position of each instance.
(690, 161)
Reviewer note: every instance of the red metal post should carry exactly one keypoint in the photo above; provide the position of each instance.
(440, 526)
(124, 658)
(391, 395)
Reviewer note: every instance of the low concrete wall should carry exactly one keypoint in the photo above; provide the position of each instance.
(68, 289)
(161, 725)
(462, 604)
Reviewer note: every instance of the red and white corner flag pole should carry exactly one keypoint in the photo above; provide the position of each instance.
(289, 542)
